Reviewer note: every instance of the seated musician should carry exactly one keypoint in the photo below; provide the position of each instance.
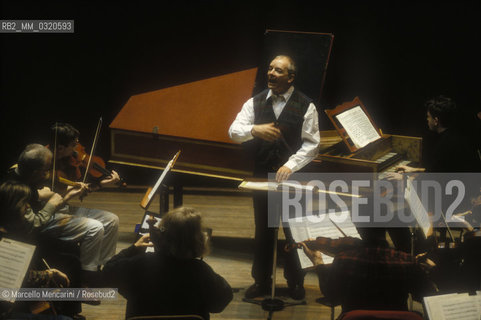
(174, 279)
(15, 208)
(65, 137)
(52, 217)
(473, 216)
(451, 151)
(368, 274)
(68, 160)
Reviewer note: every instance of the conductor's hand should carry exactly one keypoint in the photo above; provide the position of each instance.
(144, 242)
(313, 255)
(283, 174)
(267, 131)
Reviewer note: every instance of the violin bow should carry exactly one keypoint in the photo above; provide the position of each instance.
(337, 227)
(94, 144)
(447, 226)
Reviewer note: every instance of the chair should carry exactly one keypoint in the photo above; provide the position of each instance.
(179, 317)
(325, 301)
(380, 315)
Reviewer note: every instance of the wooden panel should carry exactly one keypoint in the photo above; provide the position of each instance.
(198, 110)
(411, 146)
(197, 157)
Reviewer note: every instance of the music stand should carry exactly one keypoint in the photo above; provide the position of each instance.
(149, 196)
(272, 304)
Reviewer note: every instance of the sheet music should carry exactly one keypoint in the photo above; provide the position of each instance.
(161, 178)
(295, 185)
(343, 220)
(261, 186)
(358, 126)
(145, 225)
(417, 208)
(303, 230)
(321, 226)
(271, 185)
(453, 307)
(462, 308)
(15, 258)
(159, 181)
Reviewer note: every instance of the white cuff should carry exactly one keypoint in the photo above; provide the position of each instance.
(291, 165)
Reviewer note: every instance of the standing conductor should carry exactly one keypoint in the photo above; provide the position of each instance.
(281, 126)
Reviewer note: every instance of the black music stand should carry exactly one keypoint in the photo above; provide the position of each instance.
(273, 304)
(149, 196)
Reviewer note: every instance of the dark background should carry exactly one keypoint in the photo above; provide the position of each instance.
(392, 54)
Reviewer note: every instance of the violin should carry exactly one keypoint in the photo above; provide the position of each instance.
(80, 159)
(80, 162)
(72, 168)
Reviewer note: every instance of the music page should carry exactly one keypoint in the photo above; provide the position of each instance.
(417, 208)
(358, 127)
(323, 225)
(453, 307)
(15, 257)
(273, 186)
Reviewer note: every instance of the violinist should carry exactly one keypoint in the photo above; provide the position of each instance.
(33, 170)
(368, 274)
(473, 216)
(95, 230)
(72, 160)
(103, 224)
(36, 277)
(18, 221)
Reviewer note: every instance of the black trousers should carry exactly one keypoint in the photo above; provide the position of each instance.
(264, 247)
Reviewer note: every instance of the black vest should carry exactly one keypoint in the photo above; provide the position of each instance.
(270, 156)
